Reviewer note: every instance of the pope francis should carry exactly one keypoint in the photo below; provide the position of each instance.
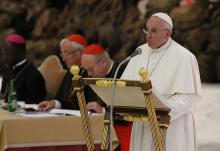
(174, 73)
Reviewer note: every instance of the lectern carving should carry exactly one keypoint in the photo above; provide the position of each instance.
(158, 118)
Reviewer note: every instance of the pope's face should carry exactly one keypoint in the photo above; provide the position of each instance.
(157, 33)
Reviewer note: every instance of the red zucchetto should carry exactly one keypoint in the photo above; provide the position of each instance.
(94, 49)
(78, 41)
(77, 38)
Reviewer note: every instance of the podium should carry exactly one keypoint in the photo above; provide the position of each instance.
(136, 104)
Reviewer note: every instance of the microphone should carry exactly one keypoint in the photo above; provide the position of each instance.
(137, 51)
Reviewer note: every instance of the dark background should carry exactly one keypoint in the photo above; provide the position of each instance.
(116, 24)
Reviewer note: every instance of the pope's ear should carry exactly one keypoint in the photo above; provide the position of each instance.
(169, 33)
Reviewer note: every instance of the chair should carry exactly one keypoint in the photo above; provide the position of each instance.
(53, 73)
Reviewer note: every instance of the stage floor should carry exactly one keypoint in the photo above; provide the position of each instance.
(208, 114)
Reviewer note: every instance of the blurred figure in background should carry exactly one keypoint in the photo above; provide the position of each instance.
(97, 62)
(30, 85)
(71, 49)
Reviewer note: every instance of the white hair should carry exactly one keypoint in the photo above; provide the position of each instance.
(167, 25)
(101, 56)
(73, 44)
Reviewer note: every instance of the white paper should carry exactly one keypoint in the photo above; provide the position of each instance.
(65, 112)
(50, 113)
(34, 106)
(35, 115)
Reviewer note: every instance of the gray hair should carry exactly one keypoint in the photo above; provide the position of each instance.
(102, 56)
(73, 44)
(167, 25)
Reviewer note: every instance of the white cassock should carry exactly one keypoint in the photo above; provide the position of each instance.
(176, 82)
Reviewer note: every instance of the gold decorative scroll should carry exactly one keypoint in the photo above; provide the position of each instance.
(109, 83)
(135, 118)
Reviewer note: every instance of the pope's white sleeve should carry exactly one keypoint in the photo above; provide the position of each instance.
(179, 104)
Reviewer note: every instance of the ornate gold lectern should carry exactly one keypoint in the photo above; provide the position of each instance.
(158, 118)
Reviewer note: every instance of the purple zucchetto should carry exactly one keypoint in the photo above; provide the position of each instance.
(15, 38)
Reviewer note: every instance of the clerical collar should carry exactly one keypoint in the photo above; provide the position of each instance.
(109, 70)
(19, 63)
(164, 47)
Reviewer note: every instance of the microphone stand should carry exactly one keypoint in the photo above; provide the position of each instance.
(113, 99)
(138, 51)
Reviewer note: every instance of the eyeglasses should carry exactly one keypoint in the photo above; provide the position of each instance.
(67, 53)
(153, 32)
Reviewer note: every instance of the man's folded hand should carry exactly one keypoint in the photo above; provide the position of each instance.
(46, 105)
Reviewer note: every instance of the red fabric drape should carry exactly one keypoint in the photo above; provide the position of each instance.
(124, 135)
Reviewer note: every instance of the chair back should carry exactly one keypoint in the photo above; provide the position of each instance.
(53, 73)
